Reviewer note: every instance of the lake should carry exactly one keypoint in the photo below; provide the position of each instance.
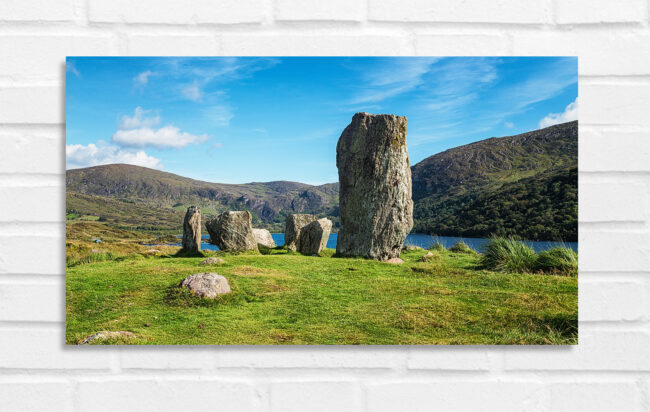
(416, 239)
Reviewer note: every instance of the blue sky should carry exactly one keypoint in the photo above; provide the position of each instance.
(239, 120)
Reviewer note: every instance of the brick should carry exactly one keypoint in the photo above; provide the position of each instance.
(460, 45)
(33, 104)
(173, 12)
(43, 57)
(315, 396)
(618, 201)
(614, 103)
(613, 151)
(176, 45)
(448, 358)
(339, 10)
(36, 396)
(37, 10)
(595, 396)
(599, 350)
(314, 45)
(613, 251)
(185, 357)
(599, 11)
(17, 255)
(283, 357)
(45, 349)
(28, 150)
(611, 301)
(455, 396)
(33, 302)
(471, 11)
(599, 52)
(24, 204)
(165, 395)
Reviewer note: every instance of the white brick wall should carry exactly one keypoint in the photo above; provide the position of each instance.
(608, 371)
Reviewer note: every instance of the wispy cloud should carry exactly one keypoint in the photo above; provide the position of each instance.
(139, 131)
(219, 114)
(142, 79)
(509, 125)
(570, 113)
(78, 155)
(193, 92)
(70, 68)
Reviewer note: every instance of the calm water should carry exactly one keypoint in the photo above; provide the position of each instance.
(418, 240)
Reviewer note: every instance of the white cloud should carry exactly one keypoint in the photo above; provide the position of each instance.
(142, 78)
(139, 119)
(165, 137)
(78, 155)
(193, 93)
(570, 113)
(70, 68)
(219, 114)
(139, 131)
(509, 125)
(217, 145)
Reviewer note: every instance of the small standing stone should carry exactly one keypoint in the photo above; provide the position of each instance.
(192, 230)
(232, 231)
(293, 225)
(206, 285)
(313, 237)
(264, 238)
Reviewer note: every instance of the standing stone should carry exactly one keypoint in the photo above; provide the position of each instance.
(232, 231)
(263, 237)
(192, 230)
(292, 227)
(313, 237)
(375, 187)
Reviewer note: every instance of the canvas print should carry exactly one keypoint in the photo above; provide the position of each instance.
(321, 200)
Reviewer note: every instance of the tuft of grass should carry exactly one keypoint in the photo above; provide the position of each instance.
(559, 260)
(461, 247)
(437, 246)
(508, 255)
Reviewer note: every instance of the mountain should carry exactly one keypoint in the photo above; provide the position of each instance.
(165, 195)
(524, 185)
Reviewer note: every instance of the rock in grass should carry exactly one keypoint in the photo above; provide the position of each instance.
(263, 237)
(412, 247)
(292, 227)
(212, 261)
(232, 231)
(430, 257)
(313, 237)
(206, 285)
(394, 261)
(104, 334)
(192, 230)
(375, 202)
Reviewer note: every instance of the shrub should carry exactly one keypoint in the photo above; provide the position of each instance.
(461, 247)
(559, 260)
(437, 246)
(508, 255)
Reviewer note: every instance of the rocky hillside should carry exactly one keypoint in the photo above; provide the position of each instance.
(90, 190)
(524, 185)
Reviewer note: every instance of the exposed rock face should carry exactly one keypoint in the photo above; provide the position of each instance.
(105, 334)
(263, 237)
(212, 261)
(192, 230)
(206, 285)
(375, 187)
(293, 225)
(232, 231)
(313, 237)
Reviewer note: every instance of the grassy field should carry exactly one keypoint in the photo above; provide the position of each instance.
(286, 298)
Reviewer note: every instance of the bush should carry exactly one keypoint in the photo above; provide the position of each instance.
(508, 255)
(559, 260)
(461, 247)
(437, 246)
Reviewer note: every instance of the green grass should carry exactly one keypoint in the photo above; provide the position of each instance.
(559, 260)
(287, 298)
(461, 247)
(506, 254)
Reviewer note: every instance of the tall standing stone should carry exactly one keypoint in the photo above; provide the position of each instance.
(292, 227)
(375, 202)
(232, 231)
(192, 230)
